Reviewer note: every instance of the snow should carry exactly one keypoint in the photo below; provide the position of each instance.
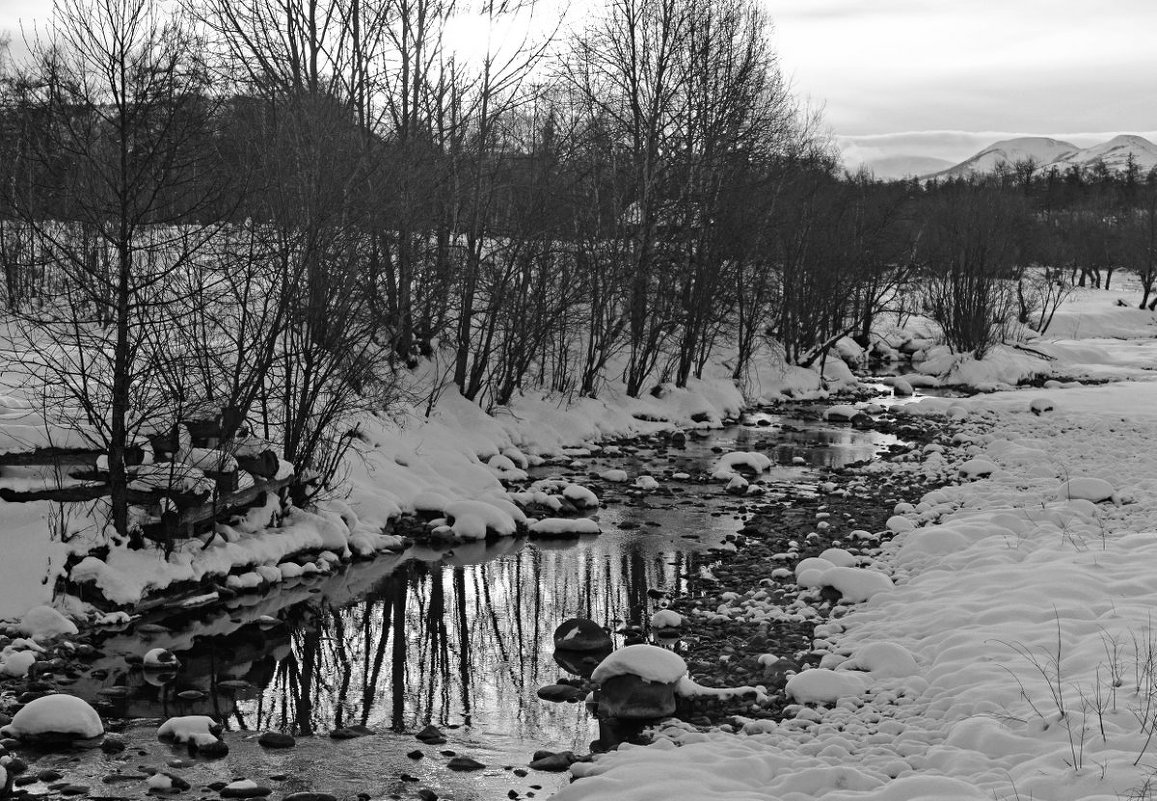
(666, 619)
(648, 662)
(726, 468)
(55, 714)
(1086, 488)
(823, 686)
(855, 584)
(580, 496)
(44, 622)
(556, 526)
(198, 729)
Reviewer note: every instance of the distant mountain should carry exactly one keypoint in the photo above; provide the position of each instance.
(1048, 153)
(891, 167)
(1040, 149)
(1115, 153)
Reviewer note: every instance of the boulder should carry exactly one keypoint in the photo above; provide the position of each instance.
(630, 697)
(581, 634)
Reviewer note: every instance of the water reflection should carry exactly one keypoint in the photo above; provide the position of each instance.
(458, 644)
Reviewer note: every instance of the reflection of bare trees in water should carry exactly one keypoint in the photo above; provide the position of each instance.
(448, 644)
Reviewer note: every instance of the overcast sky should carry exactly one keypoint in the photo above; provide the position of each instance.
(950, 76)
(947, 77)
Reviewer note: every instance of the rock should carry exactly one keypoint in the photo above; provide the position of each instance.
(276, 739)
(431, 735)
(464, 763)
(160, 659)
(73, 789)
(210, 750)
(48, 776)
(629, 697)
(245, 789)
(552, 763)
(350, 732)
(415, 754)
(427, 795)
(581, 663)
(305, 796)
(581, 634)
(112, 744)
(559, 693)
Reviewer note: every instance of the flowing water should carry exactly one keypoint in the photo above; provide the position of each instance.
(460, 639)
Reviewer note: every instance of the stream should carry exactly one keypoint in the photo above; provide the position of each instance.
(460, 639)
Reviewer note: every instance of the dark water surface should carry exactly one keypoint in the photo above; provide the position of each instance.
(458, 639)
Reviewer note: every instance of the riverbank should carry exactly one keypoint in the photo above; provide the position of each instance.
(1022, 599)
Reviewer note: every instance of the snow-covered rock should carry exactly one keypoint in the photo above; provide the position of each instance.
(196, 729)
(564, 526)
(55, 717)
(856, 584)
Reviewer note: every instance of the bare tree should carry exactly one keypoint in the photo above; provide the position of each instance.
(115, 168)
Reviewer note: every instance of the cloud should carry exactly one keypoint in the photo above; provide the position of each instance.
(889, 65)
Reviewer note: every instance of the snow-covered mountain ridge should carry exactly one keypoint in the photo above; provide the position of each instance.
(1047, 153)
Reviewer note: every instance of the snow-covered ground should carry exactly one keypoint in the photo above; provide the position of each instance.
(1025, 599)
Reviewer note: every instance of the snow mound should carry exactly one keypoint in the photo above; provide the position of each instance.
(43, 622)
(1088, 489)
(838, 557)
(841, 413)
(856, 584)
(580, 496)
(824, 686)
(648, 662)
(977, 468)
(197, 729)
(558, 526)
(884, 660)
(57, 714)
(473, 519)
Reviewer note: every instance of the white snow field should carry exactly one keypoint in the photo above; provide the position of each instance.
(1016, 655)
